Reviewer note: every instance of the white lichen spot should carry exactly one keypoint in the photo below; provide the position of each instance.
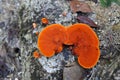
(54, 63)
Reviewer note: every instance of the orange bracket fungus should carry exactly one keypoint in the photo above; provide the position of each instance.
(50, 40)
(84, 40)
(86, 44)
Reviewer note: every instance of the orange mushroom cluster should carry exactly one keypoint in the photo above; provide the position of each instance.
(81, 36)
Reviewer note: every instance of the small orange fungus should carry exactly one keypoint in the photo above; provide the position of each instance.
(34, 25)
(83, 34)
(44, 20)
(51, 39)
(83, 39)
(36, 54)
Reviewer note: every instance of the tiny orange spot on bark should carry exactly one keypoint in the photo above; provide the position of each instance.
(36, 54)
(44, 20)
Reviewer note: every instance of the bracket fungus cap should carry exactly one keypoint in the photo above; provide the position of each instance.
(80, 33)
(86, 44)
(51, 39)
(89, 56)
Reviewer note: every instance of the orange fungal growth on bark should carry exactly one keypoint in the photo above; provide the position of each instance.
(88, 56)
(80, 33)
(83, 39)
(36, 54)
(51, 39)
(44, 20)
(86, 44)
